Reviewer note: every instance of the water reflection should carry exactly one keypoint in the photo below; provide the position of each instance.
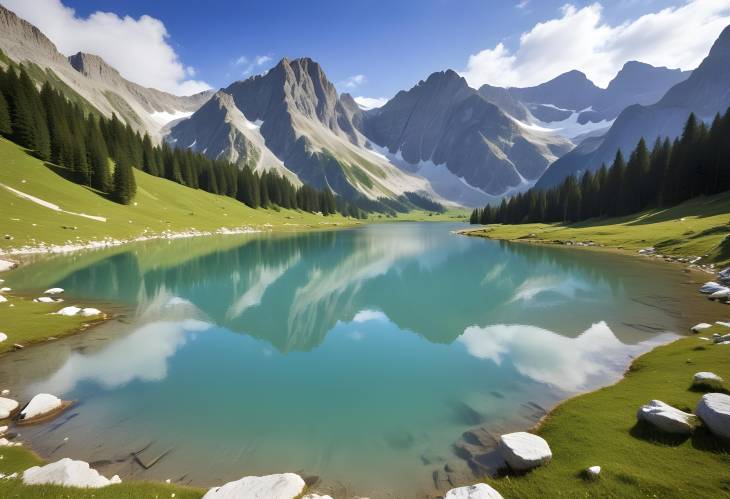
(569, 364)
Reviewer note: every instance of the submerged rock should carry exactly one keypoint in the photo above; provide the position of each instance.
(7, 406)
(666, 418)
(281, 486)
(3, 337)
(7, 265)
(478, 491)
(41, 404)
(3, 299)
(68, 473)
(714, 410)
(707, 380)
(523, 451)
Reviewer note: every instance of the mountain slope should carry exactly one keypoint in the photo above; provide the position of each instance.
(160, 206)
(220, 130)
(92, 79)
(299, 119)
(706, 92)
(444, 122)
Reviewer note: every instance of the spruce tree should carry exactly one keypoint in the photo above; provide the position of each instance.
(124, 185)
(6, 128)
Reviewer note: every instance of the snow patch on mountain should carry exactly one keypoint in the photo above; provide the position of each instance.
(163, 117)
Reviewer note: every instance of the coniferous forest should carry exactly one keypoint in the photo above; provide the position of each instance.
(697, 163)
(61, 132)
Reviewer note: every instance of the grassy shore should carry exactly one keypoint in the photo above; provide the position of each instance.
(699, 227)
(160, 205)
(599, 428)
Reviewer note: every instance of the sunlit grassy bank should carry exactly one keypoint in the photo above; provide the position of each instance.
(160, 205)
(696, 228)
(599, 428)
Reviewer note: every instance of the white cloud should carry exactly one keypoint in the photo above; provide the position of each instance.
(353, 81)
(370, 102)
(262, 59)
(259, 60)
(676, 37)
(137, 48)
(522, 4)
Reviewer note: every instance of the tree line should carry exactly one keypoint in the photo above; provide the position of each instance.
(61, 132)
(696, 163)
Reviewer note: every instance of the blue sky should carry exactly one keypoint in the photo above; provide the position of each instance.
(394, 43)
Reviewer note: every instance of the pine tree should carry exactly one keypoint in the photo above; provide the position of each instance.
(124, 185)
(6, 128)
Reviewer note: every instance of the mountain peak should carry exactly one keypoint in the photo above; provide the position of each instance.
(93, 66)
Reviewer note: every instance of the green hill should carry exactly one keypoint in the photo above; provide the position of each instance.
(160, 205)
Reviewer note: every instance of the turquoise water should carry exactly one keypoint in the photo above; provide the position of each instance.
(358, 356)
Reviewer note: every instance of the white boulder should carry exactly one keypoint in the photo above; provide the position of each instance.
(69, 311)
(3, 429)
(700, 327)
(3, 299)
(68, 473)
(90, 312)
(707, 380)
(711, 287)
(5, 290)
(7, 265)
(316, 496)
(3, 337)
(666, 418)
(714, 410)
(47, 299)
(7, 406)
(281, 486)
(41, 404)
(524, 451)
(720, 294)
(53, 291)
(478, 491)
(593, 472)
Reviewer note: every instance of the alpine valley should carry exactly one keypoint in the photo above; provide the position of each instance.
(440, 142)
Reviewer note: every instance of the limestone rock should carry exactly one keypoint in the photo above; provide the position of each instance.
(524, 451)
(281, 486)
(707, 380)
(7, 406)
(711, 287)
(68, 473)
(700, 327)
(478, 491)
(593, 472)
(53, 291)
(666, 418)
(41, 404)
(714, 410)
(69, 311)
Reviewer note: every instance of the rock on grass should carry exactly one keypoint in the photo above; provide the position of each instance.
(714, 410)
(478, 491)
(281, 486)
(666, 418)
(67, 473)
(523, 451)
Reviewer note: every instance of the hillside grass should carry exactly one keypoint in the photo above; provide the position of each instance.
(160, 205)
(698, 227)
(599, 428)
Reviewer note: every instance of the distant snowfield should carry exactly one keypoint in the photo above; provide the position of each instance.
(163, 117)
(568, 128)
(444, 183)
(50, 206)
